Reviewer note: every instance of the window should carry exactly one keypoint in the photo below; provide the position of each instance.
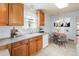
(30, 23)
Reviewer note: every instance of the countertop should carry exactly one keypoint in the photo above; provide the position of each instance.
(19, 38)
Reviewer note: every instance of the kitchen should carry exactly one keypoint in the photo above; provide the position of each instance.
(28, 27)
(12, 15)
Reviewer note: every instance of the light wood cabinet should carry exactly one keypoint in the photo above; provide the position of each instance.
(20, 48)
(39, 43)
(41, 17)
(16, 14)
(3, 14)
(35, 45)
(32, 46)
(11, 14)
(27, 47)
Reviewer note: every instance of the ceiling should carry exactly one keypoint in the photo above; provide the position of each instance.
(52, 9)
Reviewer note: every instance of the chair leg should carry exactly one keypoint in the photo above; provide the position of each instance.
(59, 43)
(64, 44)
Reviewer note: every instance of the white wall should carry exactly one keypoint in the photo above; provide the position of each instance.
(5, 30)
(47, 27)
(53, 19)
(72, 29)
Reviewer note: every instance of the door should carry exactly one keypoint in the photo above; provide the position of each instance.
(16, 14)
(32, 47)
(3, 14)
(21, 50)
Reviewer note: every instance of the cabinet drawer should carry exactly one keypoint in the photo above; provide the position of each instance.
(24, 41)
(36, 38)
(32, 39)
(16, 44)
(20, 43)
(39, 37)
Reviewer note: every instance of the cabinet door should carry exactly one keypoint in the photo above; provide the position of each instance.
(42, 21)
(21, 50)
(39, 43)
(3, 14)
(16, 14)
(40, 15)
(32, 47)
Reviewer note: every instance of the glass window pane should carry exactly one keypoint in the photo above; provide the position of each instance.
(30, 23)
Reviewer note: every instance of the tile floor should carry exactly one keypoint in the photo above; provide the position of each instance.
(54, 50)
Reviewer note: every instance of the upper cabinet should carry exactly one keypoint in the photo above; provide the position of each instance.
(41, 17)
(16, 14)
(11, 14)
(3, 14)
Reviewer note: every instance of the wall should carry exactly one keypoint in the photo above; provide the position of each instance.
(5, 30)
(72, 29)
(53, 19)
(47, 27)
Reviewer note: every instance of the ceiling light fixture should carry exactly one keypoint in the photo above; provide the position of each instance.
(61, 5)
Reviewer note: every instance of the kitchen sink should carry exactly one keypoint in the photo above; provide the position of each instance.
(19, 35)
(10, 37)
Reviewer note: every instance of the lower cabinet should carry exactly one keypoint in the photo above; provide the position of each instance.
(20, 48)
(32, 46)
(27, 47)
(35, 45)
(20, 51)
(39, 43)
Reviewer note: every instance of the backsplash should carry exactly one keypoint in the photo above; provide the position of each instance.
(5, 31)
